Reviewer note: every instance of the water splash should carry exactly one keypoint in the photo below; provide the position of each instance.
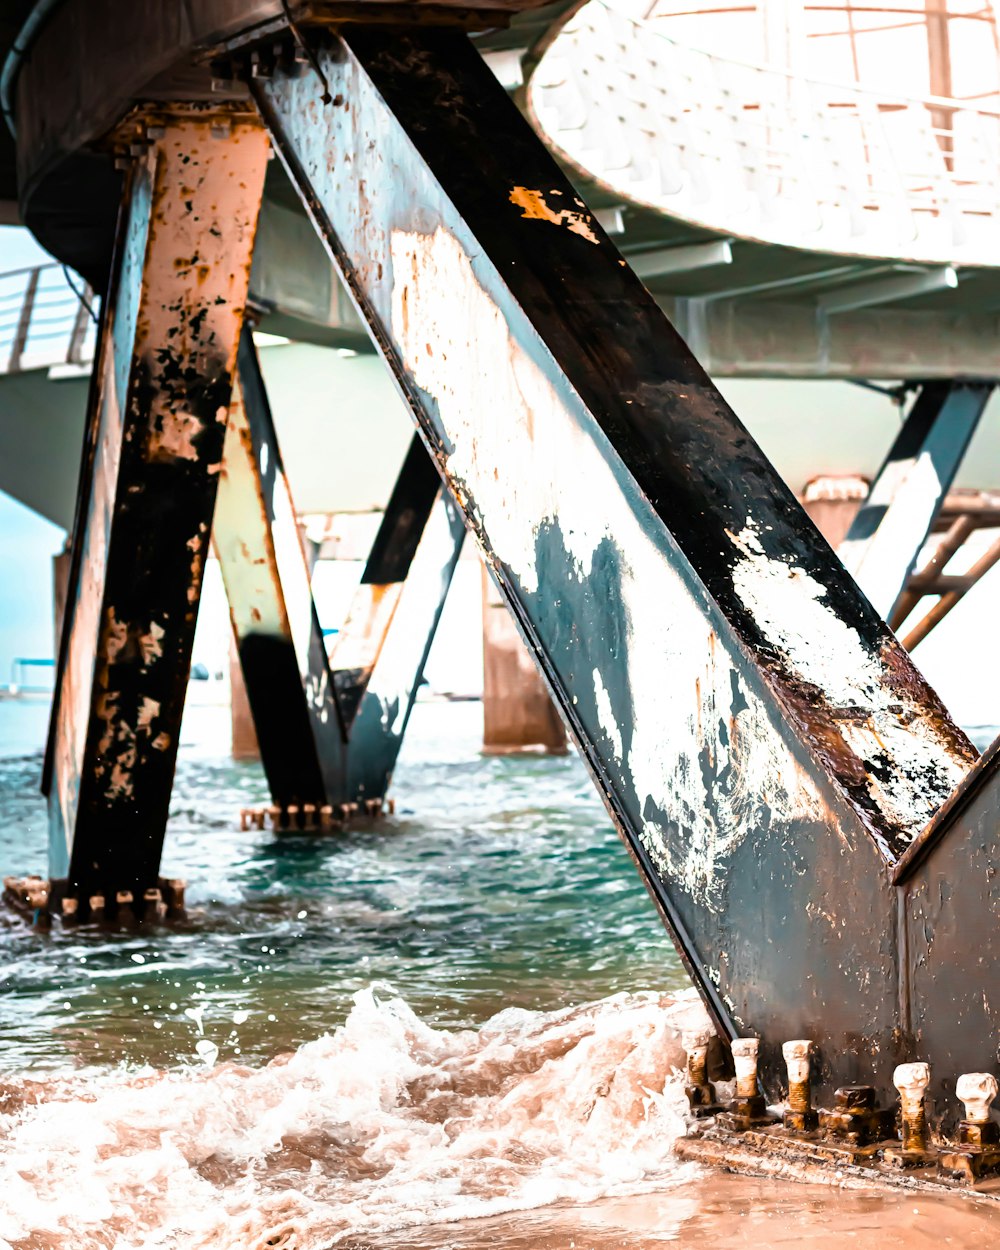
(383, 1124)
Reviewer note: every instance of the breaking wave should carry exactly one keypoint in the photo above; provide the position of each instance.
(384, 1124)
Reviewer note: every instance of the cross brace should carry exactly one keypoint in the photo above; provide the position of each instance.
(329, 728)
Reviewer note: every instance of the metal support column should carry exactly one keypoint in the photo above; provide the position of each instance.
(892, 524)
(329, 729)
(766, 747)
(157, 422)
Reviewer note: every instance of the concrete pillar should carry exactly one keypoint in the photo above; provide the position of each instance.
(832, 504)
(518, 714)
(245, 744)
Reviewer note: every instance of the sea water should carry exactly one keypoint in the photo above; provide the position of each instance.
(457, 1028)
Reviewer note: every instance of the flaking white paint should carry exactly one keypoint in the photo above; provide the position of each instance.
(680, 679)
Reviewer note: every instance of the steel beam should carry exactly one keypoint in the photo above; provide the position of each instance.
(157, 423)
(378, 661)
(329, 729)
(664, 261)
(892, 525)
(765, 746)
(889, 290)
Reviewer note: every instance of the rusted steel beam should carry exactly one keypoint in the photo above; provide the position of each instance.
(892, 524)
(329, 728)
(765, 746)
(158, 418)
(300, 730)
(960, 529)
(952, 596)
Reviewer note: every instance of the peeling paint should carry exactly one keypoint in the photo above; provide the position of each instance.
(576, 220)
(704, 807)
(867, 707)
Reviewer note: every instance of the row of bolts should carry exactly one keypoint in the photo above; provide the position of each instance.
(975, 1090)
(35, 891)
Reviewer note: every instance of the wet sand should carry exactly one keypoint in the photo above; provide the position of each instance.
(719, 1211)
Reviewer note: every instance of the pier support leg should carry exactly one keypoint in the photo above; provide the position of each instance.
(158, 419)
(763, 743)
(379, 657)
(518, 713)
(891, 527)
(300, 731)
(329, 728)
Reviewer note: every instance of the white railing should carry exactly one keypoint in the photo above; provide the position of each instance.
(45, 319)
(757, 152)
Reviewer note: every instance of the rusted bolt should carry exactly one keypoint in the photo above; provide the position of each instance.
(745, 1062)
(912, 1079)
(70, 907)
(976, 1090)
(799, 1116)
(855, 1098)
(700, 1092)
(96, 905)
(855, 1115)
(174, 892)
(748, 1107)
(696, 1048)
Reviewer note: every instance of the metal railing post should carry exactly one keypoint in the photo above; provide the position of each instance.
(24, 322)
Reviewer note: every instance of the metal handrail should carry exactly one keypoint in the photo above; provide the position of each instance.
(50, 323)
(759, 152)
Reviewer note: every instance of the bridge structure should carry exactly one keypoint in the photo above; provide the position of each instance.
(553, 226)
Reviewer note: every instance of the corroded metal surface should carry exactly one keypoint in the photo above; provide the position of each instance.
(158, 418)
(949, 900)
(763, 743)
(892, 525)
(329, 727)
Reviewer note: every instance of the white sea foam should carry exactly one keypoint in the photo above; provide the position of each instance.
(384, 1124)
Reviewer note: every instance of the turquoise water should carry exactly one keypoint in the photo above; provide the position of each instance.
(499, 882)
(457, 1029)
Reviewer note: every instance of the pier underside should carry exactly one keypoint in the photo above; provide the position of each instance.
(811, 824)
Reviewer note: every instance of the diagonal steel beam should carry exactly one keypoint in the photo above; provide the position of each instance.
(892, 524)
(329, 728)
(763, 743)
(158, 405)
(393, 670)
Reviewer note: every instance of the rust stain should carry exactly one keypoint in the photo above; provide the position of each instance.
(532, 204)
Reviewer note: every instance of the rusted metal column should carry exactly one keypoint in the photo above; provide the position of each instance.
(158, 419)
(892, 524)
(300, 731)
(329, 728)
(765, 746)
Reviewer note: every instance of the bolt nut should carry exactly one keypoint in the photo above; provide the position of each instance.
(977, 1091)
